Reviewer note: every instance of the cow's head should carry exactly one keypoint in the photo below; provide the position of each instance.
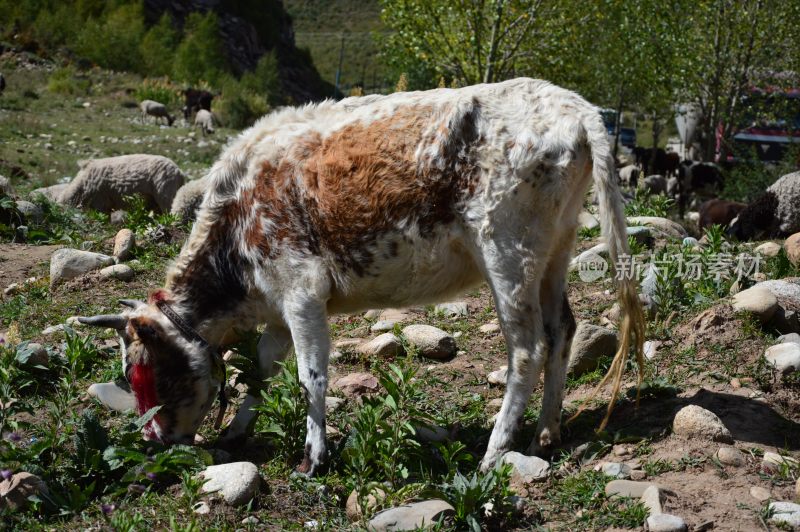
(167, 364)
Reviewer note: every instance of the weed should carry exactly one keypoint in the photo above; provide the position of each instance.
(645, 204)
(284, 411)
(653, 468)
(65, 80)
(159, 90)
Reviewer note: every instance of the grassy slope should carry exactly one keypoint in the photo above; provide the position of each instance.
(455, 393)
(320, 25)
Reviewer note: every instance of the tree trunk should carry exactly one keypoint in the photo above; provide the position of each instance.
(618, 119)
(488, 75)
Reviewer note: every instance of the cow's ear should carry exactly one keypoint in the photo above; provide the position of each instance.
(147, 330)
(158, 295)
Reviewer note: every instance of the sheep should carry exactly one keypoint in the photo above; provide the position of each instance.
(205, 121)
(102, 184)
(655, 184)
(776, 213)
(188, 199)
(719, 212)
(156, 110)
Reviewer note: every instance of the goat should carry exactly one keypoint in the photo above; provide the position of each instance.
(195, 100)
(719, 212)
(383, 201)
(155, 109)
(775, 213)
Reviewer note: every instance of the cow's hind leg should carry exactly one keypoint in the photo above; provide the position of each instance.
(308, 322)
(273, 346)
(514, 279)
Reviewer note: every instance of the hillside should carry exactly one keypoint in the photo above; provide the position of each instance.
(322, 25)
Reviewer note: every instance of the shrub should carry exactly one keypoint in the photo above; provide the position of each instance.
(114, 42)
(200, 54)
(157, 48)
(239, 107)
(65, 81)
(159, 90)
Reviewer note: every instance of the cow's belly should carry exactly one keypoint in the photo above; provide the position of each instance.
(423, 270)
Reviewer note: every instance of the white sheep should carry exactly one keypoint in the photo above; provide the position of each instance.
(155, 109)
(188, 199)
(205, 121)
(102, 184)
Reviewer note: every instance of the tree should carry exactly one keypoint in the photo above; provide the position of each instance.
(736, 45)
(158, 48)
(473, 41)
(200, 55)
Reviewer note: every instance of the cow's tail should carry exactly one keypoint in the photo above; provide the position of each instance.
(613, 227)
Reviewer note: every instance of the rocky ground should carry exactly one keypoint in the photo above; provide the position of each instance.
(712, 445)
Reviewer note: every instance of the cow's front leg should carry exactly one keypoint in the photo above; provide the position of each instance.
(308, 322)
(272, 348)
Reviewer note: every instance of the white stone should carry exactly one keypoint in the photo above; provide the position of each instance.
(452, 309)
(782, 288)
(672, 229)
(499, 376)
(431, 342)
(120, 272)
(383, 326)
(758, 301)
(590, 255)
(616, 469)
(651, 349)
(124, 243)
(787, 513)
(627, 488)
(760, 494)
(385, 345)
(113, 396)
(784, 357)
(68, 264)
(489, 328)
(237, 482)
(32, 212)
(527, 469)
(772, 462)
(587, 220)
(665, 523)
(411, 516)
(651, 498)
(693, 421)
(768, 249)
(332, 404)
(589, 345)
(791, 337)
(201, 508)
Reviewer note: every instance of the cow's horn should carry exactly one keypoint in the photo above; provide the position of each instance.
(115, 321)
(132, 303)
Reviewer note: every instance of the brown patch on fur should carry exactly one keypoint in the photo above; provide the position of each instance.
(341, 193)
(305, 465)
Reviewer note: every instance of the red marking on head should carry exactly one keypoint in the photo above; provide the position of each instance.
(143, 384)
(157, 295)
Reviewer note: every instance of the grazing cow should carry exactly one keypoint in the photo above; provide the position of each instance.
(719, 212)
(383, 201)
(194, 100)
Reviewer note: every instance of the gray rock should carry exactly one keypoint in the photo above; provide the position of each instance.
(332, 404)
(758, 301)
(237, 483)
(31, 211)
(616, 469)
(670, 228)
(14, 492)
(785, 358)
(665, 523)
(760, 494)
(785, 513)
(773, 462)
(627, 488)
(52, 329)
(768, 249)
(589, 345)
(499, 376)
(118, 217)
(782, 288)
(124, 243)
(353, 509)
(68, 264)
(383, 326)
(792, 337)
(590, 255)
(643, 235)
(452, 309)
(651, 498)
(424, 514)
(690, 241)
(431, 342)
(201, 508)
(587, 220)
(432, 434)
(731, 456)
(33, 354)
(120, 272)
(385, 345)
(693, 421)
(249, 520)
(489, 328)
(527, 469)
(113, 396)
(356, 384)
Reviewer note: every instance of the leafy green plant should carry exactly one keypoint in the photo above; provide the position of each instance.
(159, 90)
(283, 411)
(65, 80)
(470, 496)
(645, 204)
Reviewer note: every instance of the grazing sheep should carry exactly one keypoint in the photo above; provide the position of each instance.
(629, 175)
(102, 184)
(719, 212)
(205, 121)
(776, 213)
(188, 199)
(155, 109)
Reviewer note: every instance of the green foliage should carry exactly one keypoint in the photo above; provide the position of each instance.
(645, 204)
(141, 217)
(157, 49)
(158, 90)
(65, 80)
(469, 495)
(284, 412)
(245, 101)
(200, 55)
(113, 41)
